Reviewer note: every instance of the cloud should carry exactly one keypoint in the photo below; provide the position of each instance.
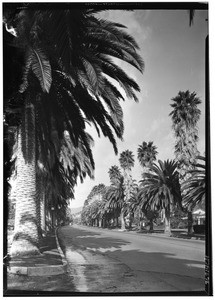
(134, 20)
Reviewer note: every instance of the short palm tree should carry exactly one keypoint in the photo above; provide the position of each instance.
(115, 200)
(140, 207)
(161, 189)
(194, 186)
(146, 154)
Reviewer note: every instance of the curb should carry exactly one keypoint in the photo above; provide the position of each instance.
(39, 271)
(42, 271)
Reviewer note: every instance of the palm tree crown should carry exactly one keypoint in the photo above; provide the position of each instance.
(115, 195)
(114, 174)
(185, 111)
(146, 154)
(161, 187)
(194, 186)
(126, 160)
(185, 115)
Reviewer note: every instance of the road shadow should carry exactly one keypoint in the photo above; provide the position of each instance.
(84, 239)
(163, 267)
(116, 246)
(97, 242)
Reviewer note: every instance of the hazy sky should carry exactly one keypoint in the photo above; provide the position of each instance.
(174, 56)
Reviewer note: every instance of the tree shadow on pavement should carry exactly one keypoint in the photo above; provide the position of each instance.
(91, 240)
(176, 270)
(142, 259)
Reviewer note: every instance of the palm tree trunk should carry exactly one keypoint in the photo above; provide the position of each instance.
(131, 217)
(151, 228)
(167, 229)
(43, 212)
(140, 220)
(39, 202)
(122, 220)
(117, 222)
(26, 238)
(190, 222)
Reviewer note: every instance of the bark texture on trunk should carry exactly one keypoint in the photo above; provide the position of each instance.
(39, 195)
(122, 220)
(43, 212)
(116, 222)
(190, 222)
(167, 229)
(151, 225)
(25, 239)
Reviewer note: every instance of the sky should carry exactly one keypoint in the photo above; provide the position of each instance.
(174, 56)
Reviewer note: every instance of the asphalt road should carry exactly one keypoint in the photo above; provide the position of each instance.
(113, 261)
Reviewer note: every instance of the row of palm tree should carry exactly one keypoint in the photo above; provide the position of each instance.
(58, 66)
(168, 185)
(159, 193)
(59, 81)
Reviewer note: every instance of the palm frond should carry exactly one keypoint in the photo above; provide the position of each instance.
(37, 61)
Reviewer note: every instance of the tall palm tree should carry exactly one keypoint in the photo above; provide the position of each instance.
(185, 116)
(67, 57)
(161, 189)
(146, 154)
(126, 161)
(114, 174)
(194, 186)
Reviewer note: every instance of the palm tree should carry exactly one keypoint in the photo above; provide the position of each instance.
(140, 207)
(146, 154)
(194, 186)
(161, 189)
(185, 116)
(114, 174)
(126, 161)
(67, 55)
(92, 207)
(115, 200)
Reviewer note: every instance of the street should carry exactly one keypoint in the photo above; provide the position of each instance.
(113, 261)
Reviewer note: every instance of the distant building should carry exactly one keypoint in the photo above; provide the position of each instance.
(199, 217)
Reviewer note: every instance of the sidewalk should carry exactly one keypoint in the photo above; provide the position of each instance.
(45, 272)
(47, 264)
